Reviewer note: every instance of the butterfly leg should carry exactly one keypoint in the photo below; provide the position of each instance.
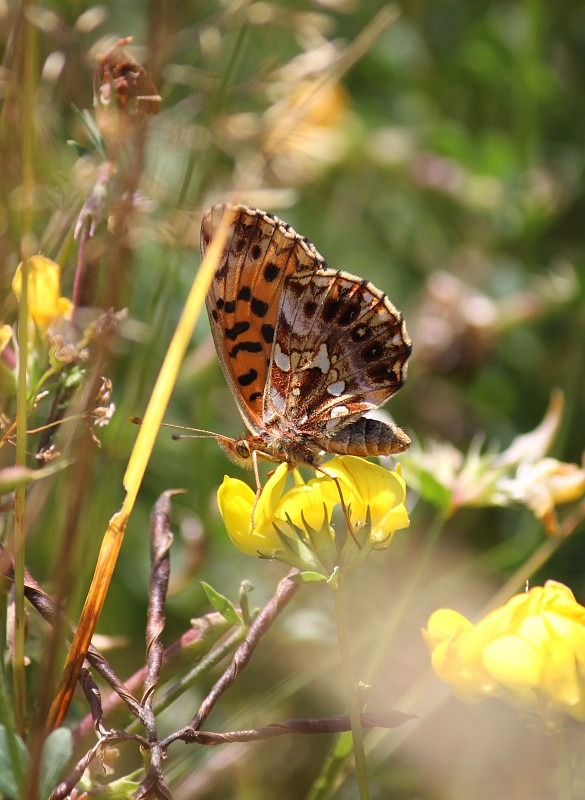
(335, 479)
(258, 486)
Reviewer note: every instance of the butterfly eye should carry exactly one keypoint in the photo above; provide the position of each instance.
(243, 448)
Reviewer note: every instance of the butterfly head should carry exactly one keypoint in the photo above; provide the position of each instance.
(238, 450)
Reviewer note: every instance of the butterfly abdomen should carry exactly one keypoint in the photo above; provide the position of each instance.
(367, 437)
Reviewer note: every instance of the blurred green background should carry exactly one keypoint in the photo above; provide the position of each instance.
(446, 166)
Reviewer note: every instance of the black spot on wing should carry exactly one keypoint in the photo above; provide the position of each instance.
(230, 306)
(246, 347)
(221, 272)
(349, 314)
(245, 293)
(237, 330)
(267, 332)
(330, 309)
(255, 252)
(247, 378)
(372, 352)
(254, 396)
(259, 307)
(382, 374)
(271, 272)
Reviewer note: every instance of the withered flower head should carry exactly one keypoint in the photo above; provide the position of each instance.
(118, 78)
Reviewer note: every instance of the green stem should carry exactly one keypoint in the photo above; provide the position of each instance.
(352, 693)
(18, 672)
(564, 787)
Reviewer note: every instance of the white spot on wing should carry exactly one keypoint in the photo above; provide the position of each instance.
(278, 401)
(339, 411)
(288, 309)
(281, 359)
(336, 389)
(320, 360)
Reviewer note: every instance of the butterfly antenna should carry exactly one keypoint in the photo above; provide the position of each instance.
(199, 433)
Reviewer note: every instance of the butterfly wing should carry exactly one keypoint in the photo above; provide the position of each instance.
(341, 349)
(243, 299)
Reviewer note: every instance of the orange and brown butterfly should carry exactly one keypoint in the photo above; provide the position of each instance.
(306, 350)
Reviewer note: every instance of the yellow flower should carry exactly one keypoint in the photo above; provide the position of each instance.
(530, 652)
(367, 486)
(5, 336)
(44, 287)
(295, 525)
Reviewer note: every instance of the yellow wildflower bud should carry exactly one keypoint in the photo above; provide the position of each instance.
(44, 286)
(530, 652)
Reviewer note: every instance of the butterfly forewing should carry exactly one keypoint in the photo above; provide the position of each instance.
(242, 303)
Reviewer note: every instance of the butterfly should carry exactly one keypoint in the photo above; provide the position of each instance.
(306, 350)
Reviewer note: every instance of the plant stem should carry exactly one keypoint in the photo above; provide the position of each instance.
(564, 789)
(18, 676)
(352, 693)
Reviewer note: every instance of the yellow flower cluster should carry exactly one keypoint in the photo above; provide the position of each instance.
(373, 495)
(530, 652)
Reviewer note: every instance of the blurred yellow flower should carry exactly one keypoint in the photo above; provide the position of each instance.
(530, 652)
(45, 304)
(307, 131)
(5, 336)
(295, 525)
(546, 484)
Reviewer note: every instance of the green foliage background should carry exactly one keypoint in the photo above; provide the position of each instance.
(462, 156)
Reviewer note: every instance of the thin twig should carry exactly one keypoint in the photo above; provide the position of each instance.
(109, 739)
(284, 593)
(199, 638)
(161, 538)
(337, 724)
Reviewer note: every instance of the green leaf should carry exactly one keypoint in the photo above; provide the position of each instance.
(434, 492)
(222, 604)
(11, 477)
(79, 149)
(8, 769)
(57, 752)
(120, 789)
(308, 577)
(92, 130)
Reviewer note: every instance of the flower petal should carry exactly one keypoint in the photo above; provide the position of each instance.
(44, 278)
(530, 652)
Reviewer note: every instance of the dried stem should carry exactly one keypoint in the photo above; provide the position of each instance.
(337, 724)
(161, 539)
(284, 593)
